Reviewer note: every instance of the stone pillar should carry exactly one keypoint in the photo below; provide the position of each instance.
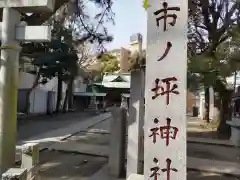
(124, 103)
(8, 85)
(30, 159)
(211, 103)
(135, 177)
(165, 136)
(15, 174)
(117, 142)
(11, 34)
(201, 106)
(135, 124)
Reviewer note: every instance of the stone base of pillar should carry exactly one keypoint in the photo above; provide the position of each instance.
(136, 177)
(30, 159)
(15, 174)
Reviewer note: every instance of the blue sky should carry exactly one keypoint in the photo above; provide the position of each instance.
(130, 18)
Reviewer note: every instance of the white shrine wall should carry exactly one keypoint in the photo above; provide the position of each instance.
(39, 96)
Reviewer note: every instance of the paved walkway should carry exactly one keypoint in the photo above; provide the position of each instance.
(196, 133)
(215, 166)
(34, 125)
(62, 133)
(201, 156)
(195, 175)
(47, 139)
(80, 151)
(55, 165)
(195, 129)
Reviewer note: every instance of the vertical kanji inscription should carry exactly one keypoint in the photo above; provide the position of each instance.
(168, 132)
(154, 131)
(155, 170)
(169, 45)
(160, 90)
(168, 168)
(165, 15)
(165, 91)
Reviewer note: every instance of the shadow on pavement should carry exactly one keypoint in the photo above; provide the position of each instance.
(195, 175)
(56, 165)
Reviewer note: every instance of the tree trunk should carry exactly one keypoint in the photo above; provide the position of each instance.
(59, 93)
(236, 107)
(35, 84)
(70, 94)
(65, 101)
(217, 107)
(206, 105)
(224, 130)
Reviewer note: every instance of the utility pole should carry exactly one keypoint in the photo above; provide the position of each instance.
(8, 88)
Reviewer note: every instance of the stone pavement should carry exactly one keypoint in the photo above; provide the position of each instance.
(202, 166)
(195, 175)
(214, 152)
(55, 165)
(215, 166)
(47, 139)
(102, 175)
(34, 125)
(210, 141)
(195, 129)
(201, 156)
(80, 151)
(94, 141)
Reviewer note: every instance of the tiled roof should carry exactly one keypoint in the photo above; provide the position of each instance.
(110, 77)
